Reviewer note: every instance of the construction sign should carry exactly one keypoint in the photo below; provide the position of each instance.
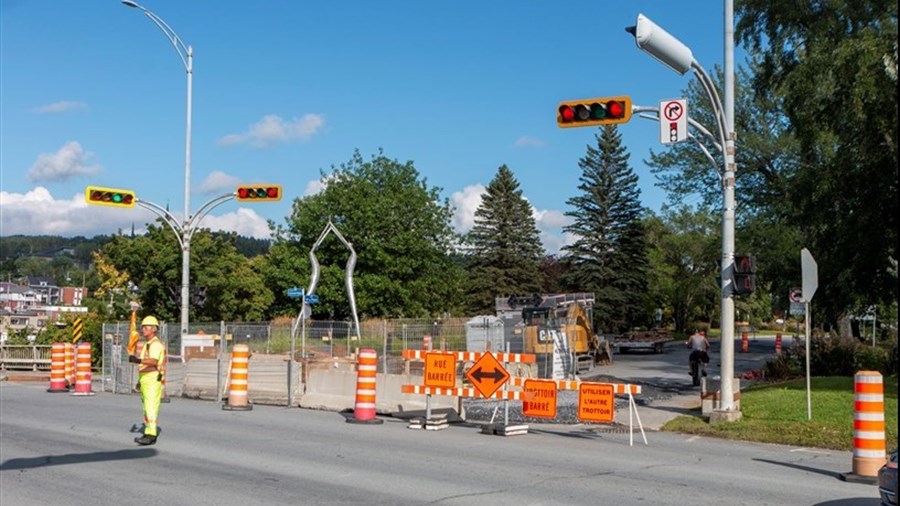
(596, 402)
(77, 327)
(542, 401)
(487, 375)
(440, 370)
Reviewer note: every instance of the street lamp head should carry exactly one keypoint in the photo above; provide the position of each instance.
(130, 3)
(661, 45)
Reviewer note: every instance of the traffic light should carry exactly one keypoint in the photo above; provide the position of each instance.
(744, 274)
(263, 192)
(109, 196)
(594, 112)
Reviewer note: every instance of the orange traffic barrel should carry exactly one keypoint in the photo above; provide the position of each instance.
(778, 344)
(237, 391)
(58, 381)
(745, 343)
(426, 343)
(868, 425)
(83, 370)
(364, 411)
(70, 364)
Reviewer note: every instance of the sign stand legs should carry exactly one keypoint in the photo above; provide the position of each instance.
(632, 408)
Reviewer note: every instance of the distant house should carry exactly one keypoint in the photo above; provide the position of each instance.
(45, 286)
(17, 298)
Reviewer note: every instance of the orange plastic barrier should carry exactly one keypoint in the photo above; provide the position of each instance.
(868, 423)
(58, 381)
(364, 411)
(426, 343)
(237, 392)
(745, 343)
(778, 344)
(70, 363)
(83, 370)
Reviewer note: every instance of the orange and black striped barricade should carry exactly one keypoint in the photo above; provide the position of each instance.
(83, 370)
(778, 344)
(70, 364)
(868, 427)
(237, 391)
(366, 369)
(58, 381)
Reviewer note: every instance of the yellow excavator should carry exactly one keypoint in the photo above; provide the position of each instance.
(561, 323)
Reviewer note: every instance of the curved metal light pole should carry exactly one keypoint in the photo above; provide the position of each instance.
(186, 53)
(674, 54)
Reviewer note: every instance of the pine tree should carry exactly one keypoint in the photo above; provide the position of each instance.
(609, 256)
(506, 251)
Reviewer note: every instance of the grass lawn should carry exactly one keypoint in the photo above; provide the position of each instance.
(776, 413)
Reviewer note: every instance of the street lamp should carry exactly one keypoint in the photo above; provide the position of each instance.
(674, 54)
(186, 53)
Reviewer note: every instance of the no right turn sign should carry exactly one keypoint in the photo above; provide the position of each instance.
(673, 121)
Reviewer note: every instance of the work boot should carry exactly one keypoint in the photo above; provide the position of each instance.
(145, 440)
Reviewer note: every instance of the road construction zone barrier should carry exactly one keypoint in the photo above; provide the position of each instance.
(366, 370)
(237, 393)
(868, 425)
(83, 370)
(778, 344)
(70, 363)
(745, 343)
(58, 381)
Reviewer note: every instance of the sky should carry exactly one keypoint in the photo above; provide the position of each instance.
(93, 93)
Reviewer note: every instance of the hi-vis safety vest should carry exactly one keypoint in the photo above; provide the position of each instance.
(154, 349)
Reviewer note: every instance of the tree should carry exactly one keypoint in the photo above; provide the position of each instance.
(399, 228)
(235, 290)
(609, 256)
(505, 248)
(834, 65)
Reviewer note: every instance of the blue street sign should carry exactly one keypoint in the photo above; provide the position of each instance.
(295, 292)
(311, 299)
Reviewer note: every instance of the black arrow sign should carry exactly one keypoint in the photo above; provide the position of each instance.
(479, 374)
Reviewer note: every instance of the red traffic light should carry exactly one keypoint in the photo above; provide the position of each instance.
(266, 193)
(109, 196)
(594, 112)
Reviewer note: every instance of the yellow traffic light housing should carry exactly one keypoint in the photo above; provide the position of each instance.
(593, 112)
(109, 196)
(258, 193)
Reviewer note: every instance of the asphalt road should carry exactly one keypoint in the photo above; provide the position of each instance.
(64, 449)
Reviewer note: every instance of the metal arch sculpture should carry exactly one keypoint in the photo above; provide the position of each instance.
(351, 265)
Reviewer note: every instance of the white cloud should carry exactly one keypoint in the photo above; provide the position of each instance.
(68, 162)
(315, 186)
(61, 106)
(245, 222)
(465, 204)
(37, 212)
(528, 141)
(271, 129)
(218, 181)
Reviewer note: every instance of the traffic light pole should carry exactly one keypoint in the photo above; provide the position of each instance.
(675, 55)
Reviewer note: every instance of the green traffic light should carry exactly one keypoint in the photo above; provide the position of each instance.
(117, 197)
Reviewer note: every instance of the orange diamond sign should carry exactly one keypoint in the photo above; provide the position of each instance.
(487, 375)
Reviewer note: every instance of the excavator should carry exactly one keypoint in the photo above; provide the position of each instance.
(560, 323)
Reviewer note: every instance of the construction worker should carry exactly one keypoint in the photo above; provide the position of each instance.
(150, 378)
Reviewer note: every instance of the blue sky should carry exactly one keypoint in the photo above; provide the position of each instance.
(92, 93)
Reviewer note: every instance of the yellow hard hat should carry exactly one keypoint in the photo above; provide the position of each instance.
(150, 321)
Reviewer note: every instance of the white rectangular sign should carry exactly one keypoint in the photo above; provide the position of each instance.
(673, 121)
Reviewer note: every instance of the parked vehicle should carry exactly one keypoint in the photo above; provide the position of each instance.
(887, 481)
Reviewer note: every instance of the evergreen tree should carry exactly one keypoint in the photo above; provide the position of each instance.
(506, 250)
(609, 257)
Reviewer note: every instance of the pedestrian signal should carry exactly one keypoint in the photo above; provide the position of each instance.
(594, 112)
(109, 196)
(267, 193)
(744, 274)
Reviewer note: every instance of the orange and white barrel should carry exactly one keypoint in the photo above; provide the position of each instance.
(426, 343)
(868, 423)
(83, 370)
(58, 381)
(778, 344)
(745, 343)
(366, 372)
(70, 364)
(238, 380)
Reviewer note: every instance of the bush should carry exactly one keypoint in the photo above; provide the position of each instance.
(832, 357)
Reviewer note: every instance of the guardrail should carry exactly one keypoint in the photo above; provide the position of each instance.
(25, 357)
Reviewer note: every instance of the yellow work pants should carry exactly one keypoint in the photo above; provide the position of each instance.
(151, 396)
